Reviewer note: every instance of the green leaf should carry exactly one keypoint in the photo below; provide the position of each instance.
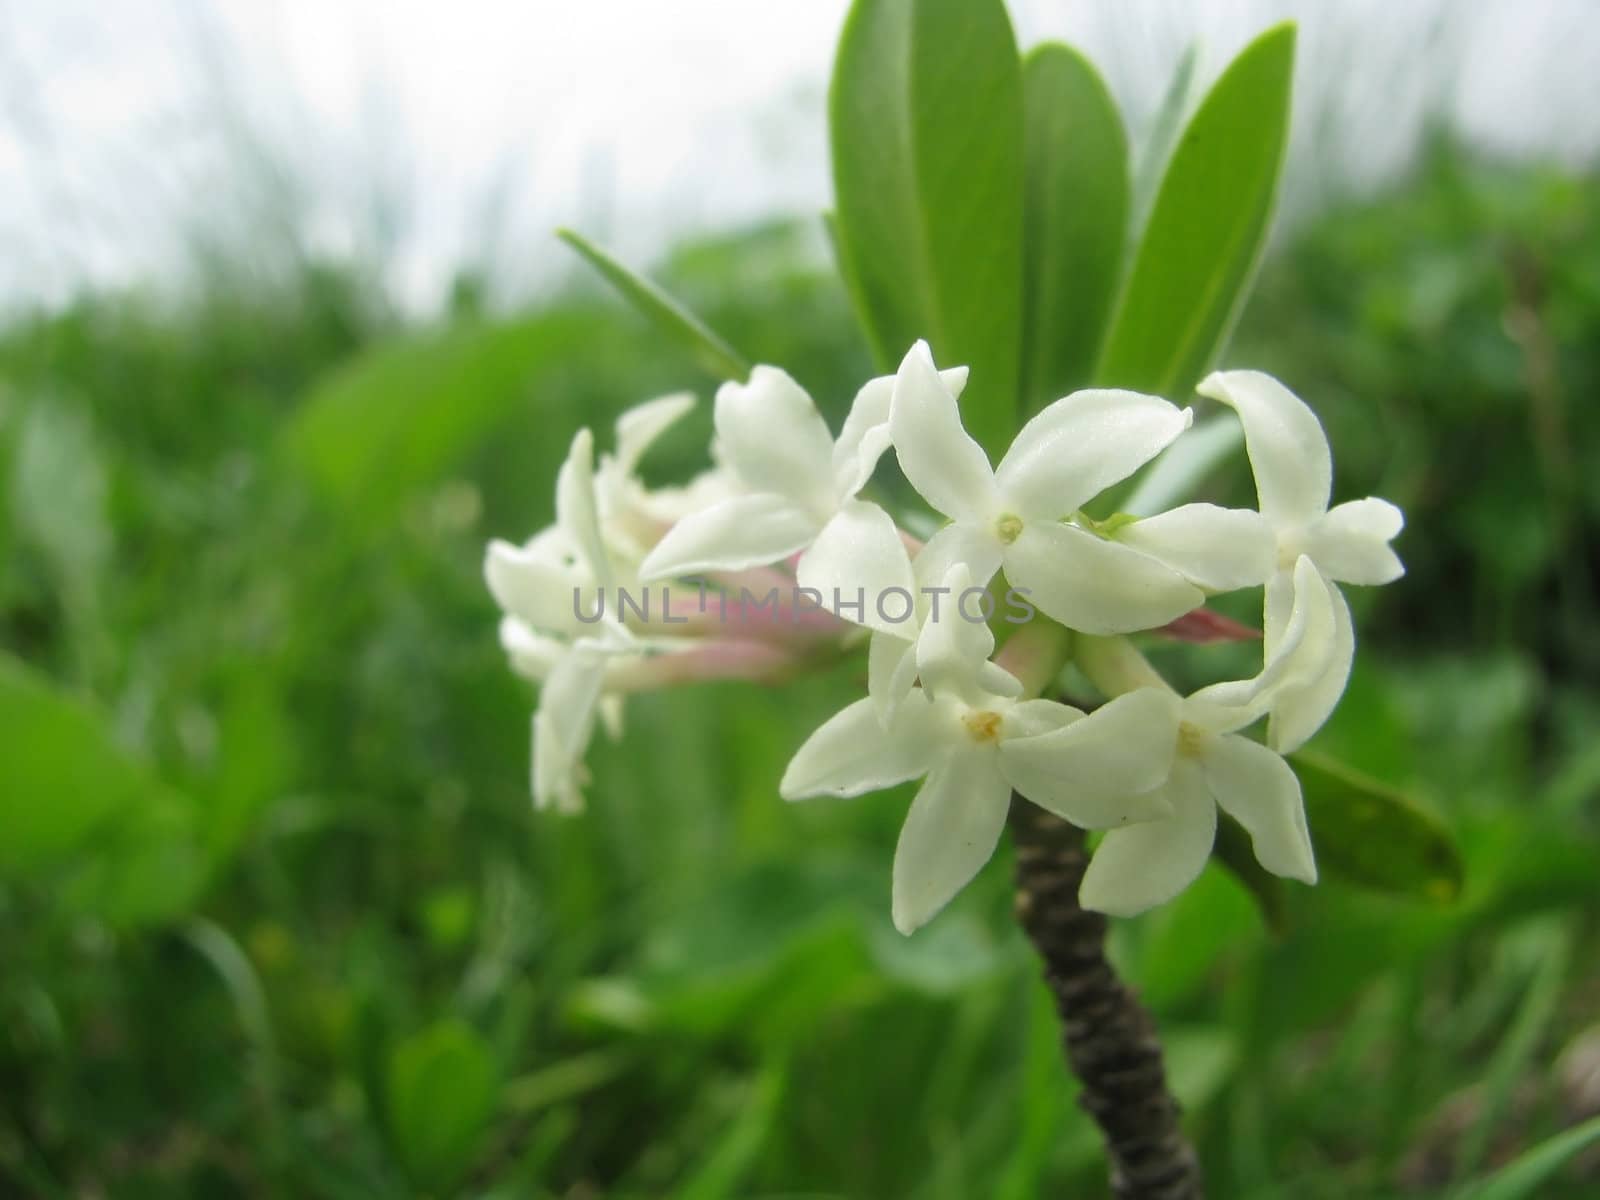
(442, 1088)
(925, 116)
(1161, 137)
(1234, 851)
(1207, 228)
(708, 347)
(399, 417)
(64, 776)
(121, 844)
(1370, 834)
(1075, 215)
(1525, 1175)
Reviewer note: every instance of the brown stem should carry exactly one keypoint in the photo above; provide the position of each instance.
(1110, 1040)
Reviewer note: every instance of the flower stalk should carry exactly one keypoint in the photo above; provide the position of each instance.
(1109, 1038)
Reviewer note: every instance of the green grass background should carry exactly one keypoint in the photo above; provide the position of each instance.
(276, 918)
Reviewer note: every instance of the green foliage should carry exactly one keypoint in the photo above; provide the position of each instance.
(1207, 227)
(1076, 219)
(440, 1095)
(926, 123)
(276, 919)
(1373, 835)
(1537, 1167)
(720, 359)
(399, 417)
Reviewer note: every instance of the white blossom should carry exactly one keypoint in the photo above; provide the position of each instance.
(973, 746)
(1026, 515)
(1348, 543)
(798, 484)
(1213, 766)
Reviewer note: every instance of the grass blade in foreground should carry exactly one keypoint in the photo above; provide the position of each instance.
(925, 117)
(1199, 251)
(709, 348)
(1523, 1177)
(1076, 212)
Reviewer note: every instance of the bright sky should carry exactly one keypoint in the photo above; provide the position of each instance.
(452, 132)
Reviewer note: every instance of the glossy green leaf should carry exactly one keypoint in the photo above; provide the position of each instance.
(926, 124)
(400, 417)
(64, 776)
(1206, 231)
(1371, 834)
(442, 1088)
(1076, 211)
(708, 347)
(1162, 136)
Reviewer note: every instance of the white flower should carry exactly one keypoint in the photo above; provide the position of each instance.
(1213, 766)
(974, 746)
(563, 724)
(1025, 515)
(539, 582)
(799, 484)
(1349, 543)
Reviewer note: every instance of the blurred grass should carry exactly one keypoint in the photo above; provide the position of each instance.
(292, 929)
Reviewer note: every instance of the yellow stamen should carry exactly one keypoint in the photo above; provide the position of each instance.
(1190, 739)
(984, 726)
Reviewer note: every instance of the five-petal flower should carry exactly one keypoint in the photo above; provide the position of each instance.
(1213, 767)
(973, 746)
(1349, 543)
(1026, 514)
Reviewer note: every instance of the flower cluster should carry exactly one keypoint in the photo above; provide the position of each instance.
(781, 514)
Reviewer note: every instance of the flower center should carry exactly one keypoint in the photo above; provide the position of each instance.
(983, 725)
(1008, 528)
(1190, 739)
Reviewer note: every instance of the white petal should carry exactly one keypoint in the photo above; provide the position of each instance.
(859, 556)
(1095, 586)
(533, 655)
(1259, 790)
(1303, 612)
(946, 466)
(952, 646)
(535, 587)
(891, 672)
(1082, 444)
(852, 753)
(774, 438)
(1219, 549)
(1139, 866)
(577, 511)
(1278, 607)
(562, 727)
(975, 547)
(1301, 706)
(1032, 717)
(951, 831)
(1287, 446)
(641, 425)
(742, 532)
(1182, 465)
(1351, 543)
(865, 435)
(1105, 770)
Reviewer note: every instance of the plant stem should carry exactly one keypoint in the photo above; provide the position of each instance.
(1110, 1040)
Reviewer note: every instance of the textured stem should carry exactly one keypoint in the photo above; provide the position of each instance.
(1110, 1040)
